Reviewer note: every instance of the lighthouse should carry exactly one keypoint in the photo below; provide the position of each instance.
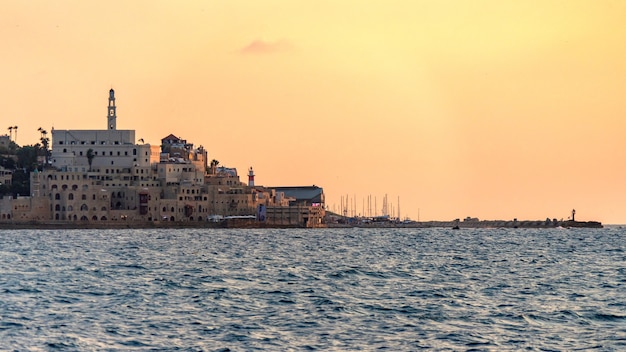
(251, 177)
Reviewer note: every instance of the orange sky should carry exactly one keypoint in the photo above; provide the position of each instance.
(491, 109)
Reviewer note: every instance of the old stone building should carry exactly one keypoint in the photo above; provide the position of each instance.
(105, 176)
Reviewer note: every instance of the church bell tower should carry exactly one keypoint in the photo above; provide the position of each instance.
(111, 116)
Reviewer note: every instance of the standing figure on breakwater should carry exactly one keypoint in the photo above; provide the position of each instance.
(573, 214)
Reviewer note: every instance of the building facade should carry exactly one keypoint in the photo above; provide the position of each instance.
(105, 176)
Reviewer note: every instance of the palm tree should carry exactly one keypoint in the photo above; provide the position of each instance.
(15, 128)
(45, 142)
(90, 156)
(10, 132)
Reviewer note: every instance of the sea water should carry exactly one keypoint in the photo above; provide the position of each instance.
(322, 289)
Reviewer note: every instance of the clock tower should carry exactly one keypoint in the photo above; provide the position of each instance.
(111, 116)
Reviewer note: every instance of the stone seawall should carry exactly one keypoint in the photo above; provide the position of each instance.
(68, 225)
(527, 224)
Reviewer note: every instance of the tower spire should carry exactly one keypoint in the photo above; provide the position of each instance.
(112, 115)
(251, 177)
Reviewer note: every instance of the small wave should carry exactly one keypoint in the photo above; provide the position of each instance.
(608, 317)
(60, 345)
(6, 325)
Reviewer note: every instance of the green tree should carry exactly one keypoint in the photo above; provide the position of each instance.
(20, 183)
(90, 156)
(27, 157)
(7, 163)
(214, 164)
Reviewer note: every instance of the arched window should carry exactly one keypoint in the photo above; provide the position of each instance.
(83, 197)
(84, 207)
(70, 196)
(70, 208)
(57, 208)
(57, 196)
(95, 218)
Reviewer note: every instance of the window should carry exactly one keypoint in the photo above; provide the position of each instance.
(83, 197)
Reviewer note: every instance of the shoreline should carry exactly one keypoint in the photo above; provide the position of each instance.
(253, 224)
(485, 224)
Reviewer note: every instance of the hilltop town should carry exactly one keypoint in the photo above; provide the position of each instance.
(105, 178)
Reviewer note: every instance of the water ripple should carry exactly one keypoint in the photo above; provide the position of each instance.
(349, 289)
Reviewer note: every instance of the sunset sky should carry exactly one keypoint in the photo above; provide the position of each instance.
(491, 108)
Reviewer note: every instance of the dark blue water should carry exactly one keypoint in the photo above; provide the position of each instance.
(349, 289)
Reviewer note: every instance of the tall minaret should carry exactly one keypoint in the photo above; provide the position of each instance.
(251, 177)
(111, 116)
